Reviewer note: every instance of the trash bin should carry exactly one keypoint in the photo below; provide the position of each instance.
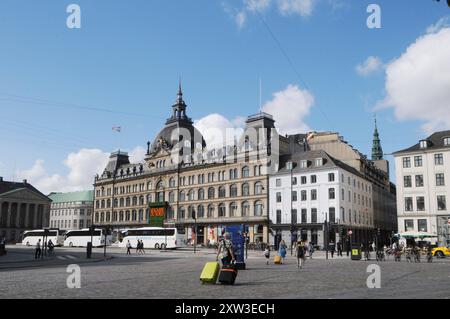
(89, 250)
(356, 252)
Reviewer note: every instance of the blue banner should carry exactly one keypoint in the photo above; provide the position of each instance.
(237, 237)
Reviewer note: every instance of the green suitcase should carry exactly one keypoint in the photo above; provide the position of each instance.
(210, 273)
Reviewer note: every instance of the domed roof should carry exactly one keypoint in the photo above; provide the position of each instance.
(179, 127)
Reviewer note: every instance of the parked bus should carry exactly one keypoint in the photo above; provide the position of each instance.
(153, 237)
(31, 237)
(80, 238)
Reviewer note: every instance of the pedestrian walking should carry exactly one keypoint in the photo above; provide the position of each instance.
(38, 252)
(128, 248)
(311, 249)
(267, 254)
(138, 246)
(332, 248)
(282, 251)
(300, 253)
(225, 250)
(50, 246)
(339, 248)
(142, 247)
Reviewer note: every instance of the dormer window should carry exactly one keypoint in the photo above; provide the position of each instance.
(446, 141)
(318, 162)
(304, 164)
(423, 144)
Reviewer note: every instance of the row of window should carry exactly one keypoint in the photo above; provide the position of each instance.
(422, 225)
(357, 198)
(418, 160)
(306, 218)
(331, 178)
(68, 204)
(69, 212)
(68, 224)
(201, 211)
(420, 203)
(419, 181)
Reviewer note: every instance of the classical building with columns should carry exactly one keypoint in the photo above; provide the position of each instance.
(22, 207)
(219, 186)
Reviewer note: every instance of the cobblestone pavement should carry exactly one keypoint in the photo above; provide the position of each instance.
(175, 274)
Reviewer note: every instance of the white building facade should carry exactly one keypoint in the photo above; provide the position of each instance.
(423, 177)
(71, 210)
(322, 189)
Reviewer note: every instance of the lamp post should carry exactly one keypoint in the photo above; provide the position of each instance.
(325, 237)
(290, 166)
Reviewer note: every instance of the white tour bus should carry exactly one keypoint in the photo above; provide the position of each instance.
(80, 238)
(153, 237)
(31, 237)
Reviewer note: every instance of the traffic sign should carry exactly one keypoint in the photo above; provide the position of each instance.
(350, 232)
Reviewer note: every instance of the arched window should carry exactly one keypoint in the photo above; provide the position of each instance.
(191, 211)
(160, 192)
(233, 209)
(141, 201)
(259, 188)
(133, 216)
(233, 190)
(259, 208)
(201, 194)
(222, 192)
(191, 195)
(211, 193)
(102, 217)
(170, 213)
(149, 198)
(182, 196)
(108, 216)
(222, 210)
(181, 213)
(114, 216)
(103, 203)
(127, 202)
(171, 197)
(245, 189)
(127, 216)
(108, 203)
(245, 172)
(121, 202)
(121, 216)
(210, 211)
(172, 182)
(245, 209)
(141, 215)
(200, 211)
(97, 204)
(135, 201)
(116, 202)
(149, 186)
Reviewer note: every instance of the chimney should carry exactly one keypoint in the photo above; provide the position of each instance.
(25, 181)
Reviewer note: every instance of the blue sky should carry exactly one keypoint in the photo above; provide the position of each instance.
(128, 55)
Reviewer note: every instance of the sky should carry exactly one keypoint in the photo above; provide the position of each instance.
(317, 63)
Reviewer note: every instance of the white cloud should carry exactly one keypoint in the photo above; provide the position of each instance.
(137, 154)
(417, 83)
(257, 5)
(289, 108)
(303, 8)
(372, 65)
(217, 130)
(442, 23)
(240, 19)
(82, 166)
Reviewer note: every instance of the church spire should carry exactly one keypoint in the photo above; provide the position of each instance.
(179, 108)
(377, 151)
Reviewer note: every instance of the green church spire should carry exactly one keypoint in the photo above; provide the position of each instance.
(377, 151)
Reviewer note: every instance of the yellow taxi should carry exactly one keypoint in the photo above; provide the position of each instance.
(441, 252)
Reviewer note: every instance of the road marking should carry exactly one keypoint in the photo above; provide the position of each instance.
(71, 257)
(61, 257)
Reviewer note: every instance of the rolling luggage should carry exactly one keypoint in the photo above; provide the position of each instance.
(277, 259)
(210, 273)
(228, 274)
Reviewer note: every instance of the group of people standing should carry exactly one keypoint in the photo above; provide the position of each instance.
(38, 253)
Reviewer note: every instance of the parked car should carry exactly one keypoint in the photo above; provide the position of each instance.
(441, 252)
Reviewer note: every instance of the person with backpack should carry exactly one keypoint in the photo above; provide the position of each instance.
(225, 250)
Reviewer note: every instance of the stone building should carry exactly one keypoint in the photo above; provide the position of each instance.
(219, 186)
(22, 207)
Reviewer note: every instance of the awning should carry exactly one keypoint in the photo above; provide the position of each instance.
(415, 234)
